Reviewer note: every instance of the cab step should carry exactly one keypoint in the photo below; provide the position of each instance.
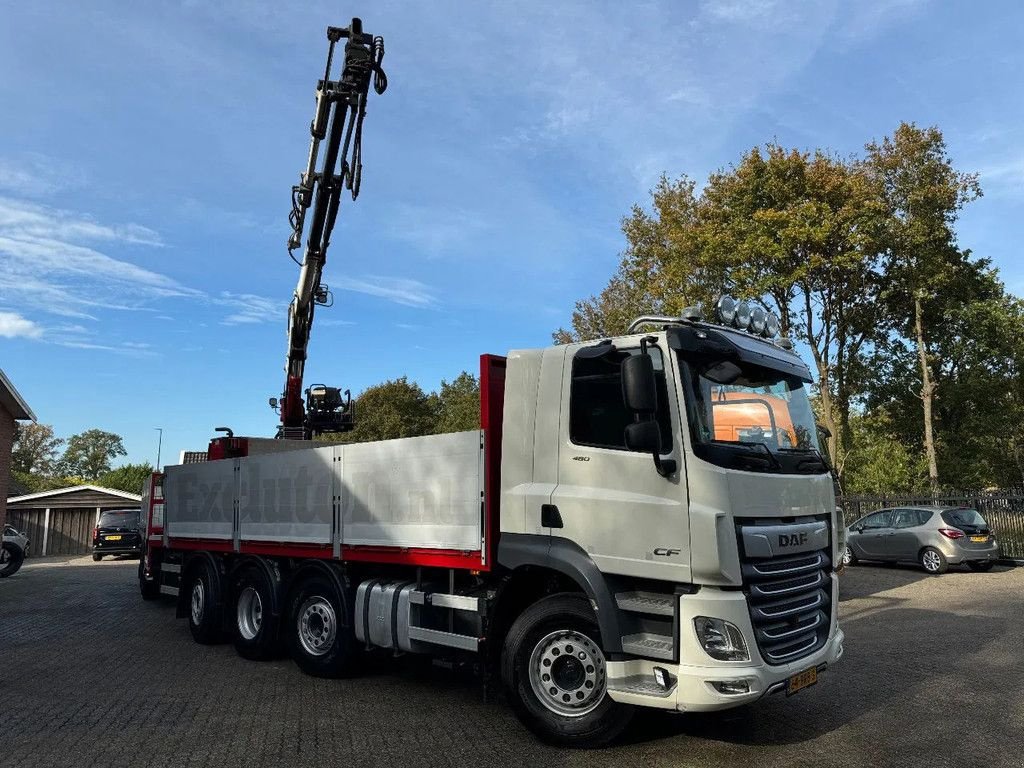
(650, 603)
(649, 645)
(640, 685)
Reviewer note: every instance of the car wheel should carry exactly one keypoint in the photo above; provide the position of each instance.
(96, 558)
(320, 638)
(933, 561)
(554, 674)
(255, 625)
(980, 565)
(849, 558)
(205, 611)
(11, 558)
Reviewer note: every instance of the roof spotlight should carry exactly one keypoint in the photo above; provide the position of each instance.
(742, 319)
(757, 320)
(771, 326)
(725, 310)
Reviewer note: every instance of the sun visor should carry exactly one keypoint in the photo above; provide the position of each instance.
(712, 342)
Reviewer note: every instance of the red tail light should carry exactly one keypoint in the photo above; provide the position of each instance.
(96, 533)
(951, 533)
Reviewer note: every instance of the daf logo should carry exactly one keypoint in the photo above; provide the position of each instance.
(792, 539)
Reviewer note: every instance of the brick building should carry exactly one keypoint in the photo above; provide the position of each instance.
(13, 408)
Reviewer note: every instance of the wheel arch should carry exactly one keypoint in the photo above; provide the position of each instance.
(538, 559)
(333, 572)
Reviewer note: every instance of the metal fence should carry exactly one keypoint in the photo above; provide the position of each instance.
(1004, 511)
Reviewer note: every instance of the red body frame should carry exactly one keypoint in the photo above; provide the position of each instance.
(492, 401)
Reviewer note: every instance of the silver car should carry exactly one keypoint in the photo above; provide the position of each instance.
(13, 548)
(933, 537)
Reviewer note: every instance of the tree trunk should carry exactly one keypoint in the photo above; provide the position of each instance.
(927, 394)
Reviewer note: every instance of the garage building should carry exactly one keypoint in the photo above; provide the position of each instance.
(60, 522)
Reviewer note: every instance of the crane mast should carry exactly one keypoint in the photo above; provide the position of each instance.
(337, 127)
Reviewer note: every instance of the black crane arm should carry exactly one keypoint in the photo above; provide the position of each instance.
(337, 123)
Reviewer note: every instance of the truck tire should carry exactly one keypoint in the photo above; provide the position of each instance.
(11, 558)
(150, 590)
(255, 625)
(554, 674)
(320, 637)
(204, 604)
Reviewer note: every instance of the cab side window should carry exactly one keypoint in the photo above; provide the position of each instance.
(881, 519)
(597, 415)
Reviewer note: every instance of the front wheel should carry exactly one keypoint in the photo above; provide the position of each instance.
(849, 558)
(11, 558)
(555, 674)
(205, 612)
(980, 565)
(933, 561)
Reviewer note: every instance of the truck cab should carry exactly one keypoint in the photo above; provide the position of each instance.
(711, 559)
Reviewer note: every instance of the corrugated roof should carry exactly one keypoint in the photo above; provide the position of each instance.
(12, 401)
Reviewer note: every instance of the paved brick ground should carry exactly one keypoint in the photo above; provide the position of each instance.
(93, 676)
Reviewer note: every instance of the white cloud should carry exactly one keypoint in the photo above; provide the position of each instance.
(411, 293)
(35, 175)
(13, 326)
(249, 308)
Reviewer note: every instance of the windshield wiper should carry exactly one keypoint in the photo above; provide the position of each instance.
(772, 458)
(815, 456)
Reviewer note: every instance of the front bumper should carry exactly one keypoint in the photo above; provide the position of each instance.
(691, 681)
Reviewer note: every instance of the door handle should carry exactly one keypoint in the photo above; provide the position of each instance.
(550, 517)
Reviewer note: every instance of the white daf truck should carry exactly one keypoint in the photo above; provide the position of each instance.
(641, 521)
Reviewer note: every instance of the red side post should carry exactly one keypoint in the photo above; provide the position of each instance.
(492, 406)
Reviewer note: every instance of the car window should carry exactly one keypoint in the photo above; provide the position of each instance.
(127, 519)
(878, 520)
(965, 519)
(905, 518)
(923, 516)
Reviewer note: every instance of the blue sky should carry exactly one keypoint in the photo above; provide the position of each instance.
(147, 151)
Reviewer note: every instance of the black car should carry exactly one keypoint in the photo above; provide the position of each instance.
(119, 532)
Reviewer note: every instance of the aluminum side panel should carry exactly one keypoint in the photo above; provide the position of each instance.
(286, 496)
(412, 492)
(200, 500)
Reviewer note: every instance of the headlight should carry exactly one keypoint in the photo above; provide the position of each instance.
(771, 326)
(758, 318)
(742, 319)
(725, 309)
(721, 639)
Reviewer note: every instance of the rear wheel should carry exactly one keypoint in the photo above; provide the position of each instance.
(96, 557)
(205, 611)
(980, 565)
(555, 674)
(255, 625)
(319, 638)
(933, 561)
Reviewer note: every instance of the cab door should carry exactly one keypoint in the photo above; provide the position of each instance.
(610, 501)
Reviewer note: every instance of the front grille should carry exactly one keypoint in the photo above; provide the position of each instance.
(790, 602)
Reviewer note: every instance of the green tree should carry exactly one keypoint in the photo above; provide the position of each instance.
(878, 461)
(395, 408)
(458, 404)
(35, 449)
(127, 477)
(88, 455)
(924, 267)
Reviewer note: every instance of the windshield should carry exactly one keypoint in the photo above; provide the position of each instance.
(120, 519)
(965, 519)
(750, 417)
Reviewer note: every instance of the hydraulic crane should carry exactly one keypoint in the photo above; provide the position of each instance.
(338, 125)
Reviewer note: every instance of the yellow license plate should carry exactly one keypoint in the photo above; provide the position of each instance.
(802, 680)
(112, 538)
(979, 538)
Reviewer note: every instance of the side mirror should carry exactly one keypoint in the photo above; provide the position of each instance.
(639, 390)
(643, 437)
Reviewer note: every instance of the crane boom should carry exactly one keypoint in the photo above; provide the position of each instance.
(338, 124)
